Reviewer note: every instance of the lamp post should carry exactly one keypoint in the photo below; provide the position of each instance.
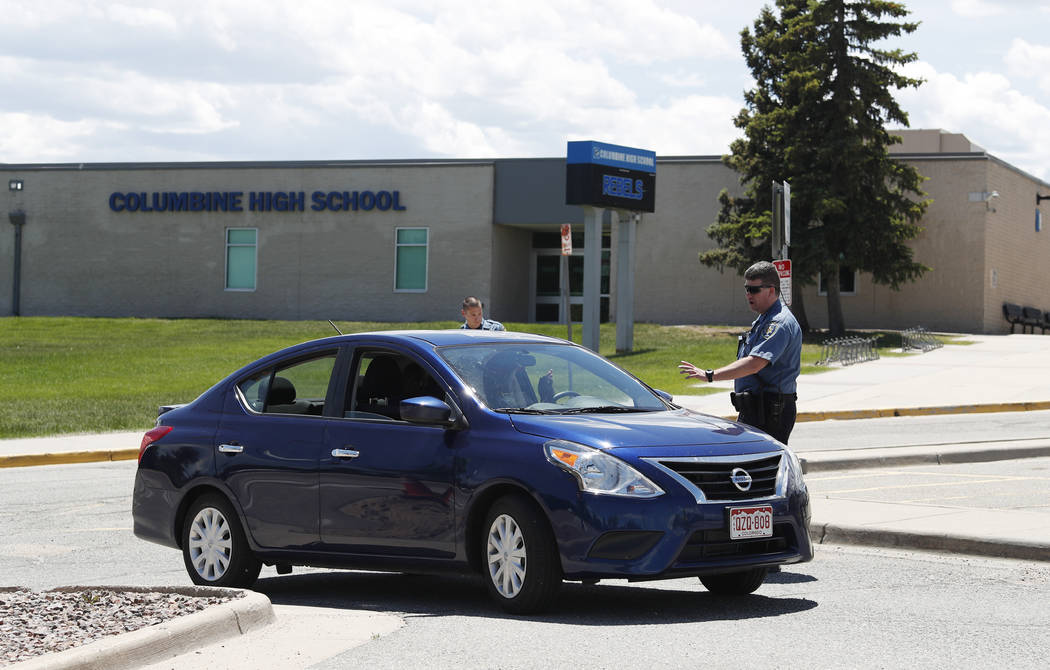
(17, 219)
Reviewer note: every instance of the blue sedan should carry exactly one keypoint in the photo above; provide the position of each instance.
(525, 458)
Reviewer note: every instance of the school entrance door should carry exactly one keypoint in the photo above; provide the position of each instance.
(545, 278)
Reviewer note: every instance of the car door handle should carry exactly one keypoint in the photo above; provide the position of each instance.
(345, 453)
(230, 448)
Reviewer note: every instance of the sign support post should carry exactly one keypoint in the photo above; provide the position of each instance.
(781, 236)
(592, 276)
(626, 232)
(566, 302)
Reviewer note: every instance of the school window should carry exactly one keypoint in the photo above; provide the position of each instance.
(241, 246)
(410, 260)
(847, 282)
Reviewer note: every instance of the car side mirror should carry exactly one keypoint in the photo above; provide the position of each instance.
(428, 410)
(664, 394)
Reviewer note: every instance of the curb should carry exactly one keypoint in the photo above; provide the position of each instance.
(848, 414)
(922, 411)
(67, 457)
(824, 533)
(164, 640)
(902, 456)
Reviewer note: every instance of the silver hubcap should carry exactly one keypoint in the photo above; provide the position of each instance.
(506, 553)
(210, 544)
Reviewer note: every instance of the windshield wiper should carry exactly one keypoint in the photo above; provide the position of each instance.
(605, 409)
(525, 410)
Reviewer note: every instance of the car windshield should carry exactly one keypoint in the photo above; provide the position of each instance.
(548, 379)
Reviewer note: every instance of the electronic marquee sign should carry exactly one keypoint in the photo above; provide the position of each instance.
(608, 175)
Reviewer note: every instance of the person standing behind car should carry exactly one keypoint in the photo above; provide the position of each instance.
(769, 358)
(473, 317)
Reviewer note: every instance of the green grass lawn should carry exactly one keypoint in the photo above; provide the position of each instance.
(83, 375)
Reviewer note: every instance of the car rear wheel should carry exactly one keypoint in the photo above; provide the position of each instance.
(214, 547)
(522, 568)
(735, 583)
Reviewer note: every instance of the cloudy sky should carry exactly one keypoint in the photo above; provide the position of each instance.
(182, 80)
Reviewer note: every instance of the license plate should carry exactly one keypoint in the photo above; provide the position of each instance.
(749, 522)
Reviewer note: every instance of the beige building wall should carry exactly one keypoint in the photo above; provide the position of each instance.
(1015, 254)
(80, 258)
(980, 250)
(950, 295)
(511, 247)
(671, 285)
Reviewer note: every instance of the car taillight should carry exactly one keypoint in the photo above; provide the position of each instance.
(152, 436)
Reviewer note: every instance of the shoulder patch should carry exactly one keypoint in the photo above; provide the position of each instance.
(770, 329)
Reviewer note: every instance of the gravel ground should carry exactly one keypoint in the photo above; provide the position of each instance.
(40, 622)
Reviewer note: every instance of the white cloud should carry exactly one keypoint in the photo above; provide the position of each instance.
(987, 108)
(233, 79)
(142, 17)
(976, 9)
(1029, 60)
(30, 138)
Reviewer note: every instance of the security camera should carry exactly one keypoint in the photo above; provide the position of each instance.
(993, 194)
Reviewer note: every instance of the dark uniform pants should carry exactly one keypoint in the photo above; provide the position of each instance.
(773, 413)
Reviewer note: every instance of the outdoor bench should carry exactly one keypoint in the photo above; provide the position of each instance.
(1032, 318)
(1014, 315)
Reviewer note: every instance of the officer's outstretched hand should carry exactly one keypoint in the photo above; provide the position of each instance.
(691, 371)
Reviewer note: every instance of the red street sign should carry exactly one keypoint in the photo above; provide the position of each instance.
(566, 239)
(784, 270)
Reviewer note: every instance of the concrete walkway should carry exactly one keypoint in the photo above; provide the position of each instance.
(992, 374)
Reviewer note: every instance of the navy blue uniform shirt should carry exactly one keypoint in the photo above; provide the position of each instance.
(776, 337)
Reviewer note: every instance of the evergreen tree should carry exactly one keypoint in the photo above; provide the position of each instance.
(816, 118)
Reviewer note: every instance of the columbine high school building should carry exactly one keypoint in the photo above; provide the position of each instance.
(406, 240)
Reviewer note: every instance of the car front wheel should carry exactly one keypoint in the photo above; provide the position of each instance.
(522, 569)
(214, 547)
(735, 583)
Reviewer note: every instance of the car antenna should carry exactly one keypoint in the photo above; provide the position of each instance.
(334, 326)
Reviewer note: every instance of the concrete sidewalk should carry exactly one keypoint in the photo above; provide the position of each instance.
(996, 373)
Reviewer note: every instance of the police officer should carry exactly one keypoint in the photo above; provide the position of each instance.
(769, 358)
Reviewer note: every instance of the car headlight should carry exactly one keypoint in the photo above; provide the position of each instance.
(598, 472)
(793, 471)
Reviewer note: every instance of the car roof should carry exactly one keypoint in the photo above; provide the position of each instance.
(440, 338)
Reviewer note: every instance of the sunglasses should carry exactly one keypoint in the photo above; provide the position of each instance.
(756, 289)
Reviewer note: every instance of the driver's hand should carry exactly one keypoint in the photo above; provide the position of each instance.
(546, 387)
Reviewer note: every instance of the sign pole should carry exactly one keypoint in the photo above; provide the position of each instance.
(592, 276)
(626, 231)
(781, 237)
(566, 302)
